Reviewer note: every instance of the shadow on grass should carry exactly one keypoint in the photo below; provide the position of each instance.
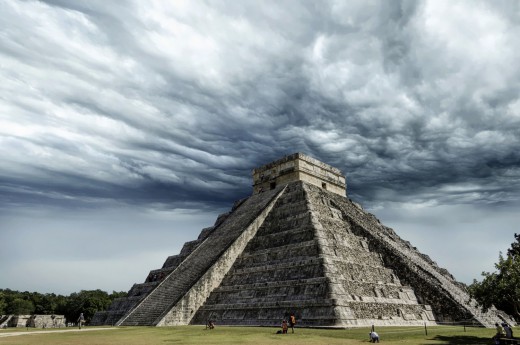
(463, 340)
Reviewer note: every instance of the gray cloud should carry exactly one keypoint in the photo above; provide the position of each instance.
(172, 105)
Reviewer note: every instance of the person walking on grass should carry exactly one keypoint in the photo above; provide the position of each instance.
(81, 320)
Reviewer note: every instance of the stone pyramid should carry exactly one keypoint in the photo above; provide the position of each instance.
(297, 245)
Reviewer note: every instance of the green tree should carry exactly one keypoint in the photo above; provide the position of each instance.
(501, 288)
(87, 302)
(3, 304)
(20, 306)
(45, 304)
(515, 247)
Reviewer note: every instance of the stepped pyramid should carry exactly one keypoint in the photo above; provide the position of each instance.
(297, 245)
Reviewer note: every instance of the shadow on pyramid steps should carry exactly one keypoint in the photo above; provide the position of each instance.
(297, 246)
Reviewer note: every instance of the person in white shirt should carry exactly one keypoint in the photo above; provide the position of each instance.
(374, 337)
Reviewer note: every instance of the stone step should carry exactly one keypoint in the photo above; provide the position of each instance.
(312, 288)
(309, 310)
(268, 305)
(268, 274)
(298, 250)
(285, 265)
(283, 238)
(358, 271)
(142, 288)
(293, 250)
(272, 284)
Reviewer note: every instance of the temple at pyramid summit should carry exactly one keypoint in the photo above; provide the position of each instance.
(297, 245)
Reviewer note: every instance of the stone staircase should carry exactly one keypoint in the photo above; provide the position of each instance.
(159, 302)
(121, 306)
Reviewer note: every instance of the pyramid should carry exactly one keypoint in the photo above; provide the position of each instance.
(297, 245)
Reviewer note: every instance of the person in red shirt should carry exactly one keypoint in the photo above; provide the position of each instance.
(284, 327)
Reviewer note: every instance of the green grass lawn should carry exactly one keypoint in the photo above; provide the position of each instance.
(252, 335)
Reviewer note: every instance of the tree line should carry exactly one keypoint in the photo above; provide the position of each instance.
(28, 303)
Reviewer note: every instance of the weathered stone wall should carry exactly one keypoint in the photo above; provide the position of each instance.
(19, 321)
(432, 285)
(46, 321)
(33, 321)
(366, 291)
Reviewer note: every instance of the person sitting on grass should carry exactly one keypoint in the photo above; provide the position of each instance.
(284, 327)
(374, 337)
(210, 324)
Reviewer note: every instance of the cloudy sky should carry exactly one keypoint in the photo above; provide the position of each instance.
(128, 126)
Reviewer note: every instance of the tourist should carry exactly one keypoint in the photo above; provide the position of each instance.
(210, 324)
(374, 337)
(81, 320)
(508, 330)
(292, 321)
(500, 333)
(284, 327)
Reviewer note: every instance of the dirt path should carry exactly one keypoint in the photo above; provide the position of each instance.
(14, 334)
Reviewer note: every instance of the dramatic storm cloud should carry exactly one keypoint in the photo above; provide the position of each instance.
(127, 126)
